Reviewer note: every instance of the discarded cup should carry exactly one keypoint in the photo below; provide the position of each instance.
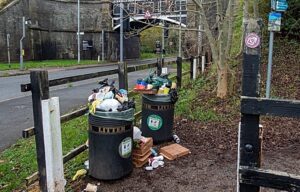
(161, 163)
(176, 139)
(159, 158)
(155, 164)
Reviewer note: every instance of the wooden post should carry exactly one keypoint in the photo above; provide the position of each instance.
(179, 71)
(53, 145)
(40, 91)
(123, 76)
(250, 148)
(159, 66)
(191, 67)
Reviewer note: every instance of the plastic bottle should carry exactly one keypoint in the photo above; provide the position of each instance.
(154, 153)
(176, 139)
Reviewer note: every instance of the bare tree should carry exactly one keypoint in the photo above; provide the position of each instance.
(220, 43)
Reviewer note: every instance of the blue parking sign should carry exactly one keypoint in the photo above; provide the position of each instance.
(279, 5)
(274, 21)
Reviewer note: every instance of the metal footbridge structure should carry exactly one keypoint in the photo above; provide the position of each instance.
(147, 13)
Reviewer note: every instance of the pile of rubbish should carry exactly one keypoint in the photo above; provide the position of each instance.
(158, 85)
(145, 154)
(107, 98)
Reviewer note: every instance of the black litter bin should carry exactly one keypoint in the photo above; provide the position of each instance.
(110, 144)
(157, 118)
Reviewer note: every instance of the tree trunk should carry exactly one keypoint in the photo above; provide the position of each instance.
(222, 83)
(255, 9)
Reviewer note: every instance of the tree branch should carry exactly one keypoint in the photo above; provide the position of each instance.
(208, 32)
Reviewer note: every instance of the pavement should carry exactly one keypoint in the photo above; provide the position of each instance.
(16, 106)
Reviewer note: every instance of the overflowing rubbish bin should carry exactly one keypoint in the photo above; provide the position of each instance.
(157, 117)
(110, 144)
(111, 115)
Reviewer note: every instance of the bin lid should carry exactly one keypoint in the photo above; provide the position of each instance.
(126, 115)
(158, 98)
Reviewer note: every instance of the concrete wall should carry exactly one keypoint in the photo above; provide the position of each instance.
(52, 33)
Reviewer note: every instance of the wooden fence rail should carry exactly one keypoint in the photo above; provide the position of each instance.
(28, 132)
(39, 87)
(249, 174)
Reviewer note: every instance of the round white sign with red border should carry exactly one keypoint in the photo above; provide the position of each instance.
(147, 15)
(252, 40)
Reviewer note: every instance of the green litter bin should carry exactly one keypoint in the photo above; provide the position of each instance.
(110, 144)
(157, 117)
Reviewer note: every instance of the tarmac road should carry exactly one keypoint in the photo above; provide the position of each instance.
(16, 107)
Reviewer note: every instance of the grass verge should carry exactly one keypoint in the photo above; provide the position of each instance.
(47, 63)
(19, 161)
(147, 55)
(186, 108)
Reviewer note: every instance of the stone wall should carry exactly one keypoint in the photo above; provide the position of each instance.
(53, 28)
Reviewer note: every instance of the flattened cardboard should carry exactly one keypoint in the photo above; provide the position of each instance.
(143, 149)
(139, 162)
(174, 151)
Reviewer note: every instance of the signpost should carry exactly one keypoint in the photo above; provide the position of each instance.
(8, 49)
(274, 21)
(274, 25)
(279, 5)
(78, 31)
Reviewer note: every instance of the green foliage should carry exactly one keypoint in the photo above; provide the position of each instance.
(20, 159)
(147, 55)
(18, 164)
(148, 38)
(186, 108)
(183, 106)
(237, 32)
(3, 3)
(291, 19)
(151, 35)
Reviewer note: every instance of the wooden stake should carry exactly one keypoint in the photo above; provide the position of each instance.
(53, 145)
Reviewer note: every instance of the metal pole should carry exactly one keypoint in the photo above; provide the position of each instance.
(163, 36)
(78, 31)
(121, 32)
(270, 64)
(162, 44)
(123, 79)
(8, 47)
(160, 7)
(102, 49)
(21, 44)
(179, 44)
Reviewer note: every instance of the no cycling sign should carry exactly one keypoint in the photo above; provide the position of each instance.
(252, 40)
